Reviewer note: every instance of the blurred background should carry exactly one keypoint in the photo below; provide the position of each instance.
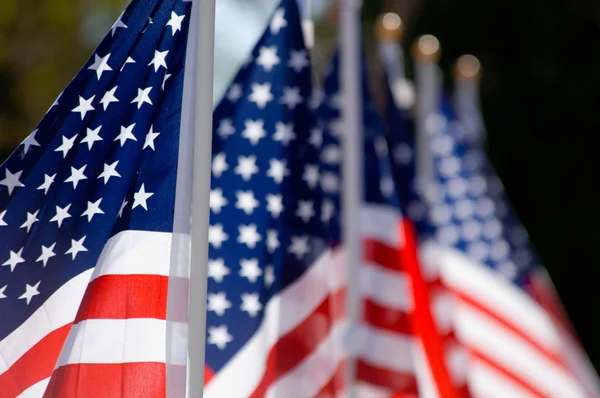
(540, 96)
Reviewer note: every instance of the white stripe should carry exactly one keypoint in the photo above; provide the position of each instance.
(385, 349)
(479, 331)
(364, 390)
(59, 310)
(282, 314)
(115, 341)
(135, 253)
(307, 379)
(35, 391)
(387, 288)
(425, 382)
(499, 295)
(381, 222)
(485, 382)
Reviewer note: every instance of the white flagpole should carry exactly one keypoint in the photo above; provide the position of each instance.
(352, 193)
(426, 52)
(201, 194)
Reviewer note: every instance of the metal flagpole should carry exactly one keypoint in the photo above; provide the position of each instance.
(467, 74)
(200, 194)
(352, 169)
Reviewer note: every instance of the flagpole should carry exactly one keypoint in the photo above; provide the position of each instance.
(352, 170)
(467, 75)
(200, 195)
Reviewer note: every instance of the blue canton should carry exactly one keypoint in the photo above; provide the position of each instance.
(265, 230)
(102, 160)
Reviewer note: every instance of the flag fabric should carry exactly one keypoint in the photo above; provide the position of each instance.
(483, 257)
(274, 320)
(86, 219)
(385, 344)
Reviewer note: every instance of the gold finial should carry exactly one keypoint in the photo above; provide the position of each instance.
(389, 27)
(427, 48)
(467, 67)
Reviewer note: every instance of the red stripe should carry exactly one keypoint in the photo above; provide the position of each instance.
(488, 312)
(125, 297)
(424, 324)
(335, 385)
(396, 381)
(208, 374)
(386, 318)
(300, 342)
(127, 380)
(35, 365)
(380, 254)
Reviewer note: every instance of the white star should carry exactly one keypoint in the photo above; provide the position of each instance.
(67, 145)
(316, 137)
(331, 154)
(226, 128)
(250, 269)
(30, 292)
(2, 289)
(167, 76)
(150, 137)
(311, 175)
(55, 103)
(278, 21)
(254, 130)
(31, 219)
(150, 22)
(251, 304)
(126, 134)
(284, 133)
(175, 22)
(85, 106)
(246, 201)
(219, 165)
(47, 253)
(299, 246)
(327, 210)
(91, 137)
(76, 176)
(92, 210)
(143, 97)
(217, 270)
(159, 60)
(216, 235)
(298, 60)
(305, 210)
(117, 25)
(277, 170)
(261, 94)
(248, 235)
(235, 92)
(122, 209)
(330, 183)
(140, 198)
(217, 200)
(61, 214)
(246, 167)
(76, 247)
(269, 276)
(14, 259)
(11, 181)
(337, 101)
(100, 65)
(337, 127)
(219, 336)
(274, 205)
(2, 222)
(317, 98)
(291, 97)
(218, 303)
(403, 154)
(272, 240)
(128, 61)
(268, 58)
(109, 97)
(30, 142)
(387, 186)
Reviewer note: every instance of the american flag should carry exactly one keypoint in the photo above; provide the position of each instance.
(86, 219)
(274, 294)
(515, 344)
